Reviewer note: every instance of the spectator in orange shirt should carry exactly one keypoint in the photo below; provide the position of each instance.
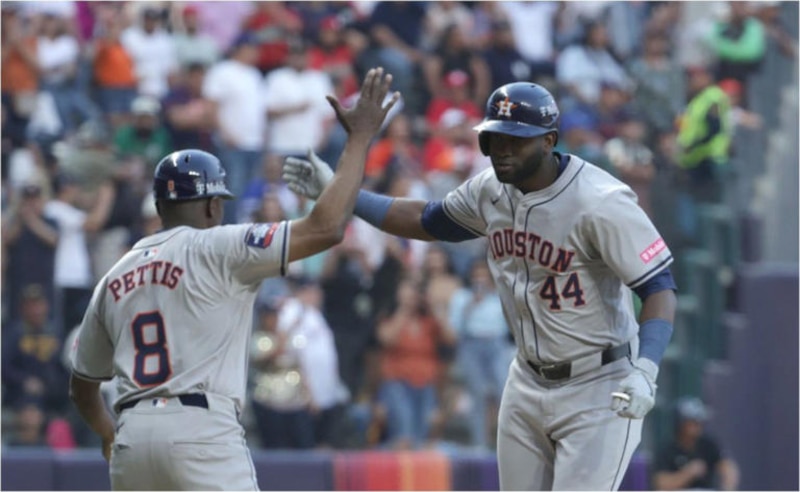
(410, 366)
(114, 72)
(396, 146)
(19, 75)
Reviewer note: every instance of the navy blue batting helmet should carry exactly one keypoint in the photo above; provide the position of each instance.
(189, 175)
(521, 109)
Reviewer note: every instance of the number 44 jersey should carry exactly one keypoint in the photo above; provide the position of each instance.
(564, 258)
(175, 314)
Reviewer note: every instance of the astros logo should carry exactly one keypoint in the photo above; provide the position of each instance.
(504, 107)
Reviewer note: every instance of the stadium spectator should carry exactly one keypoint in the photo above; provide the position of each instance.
(347, 280)
(19, 72)
(455, 94)
(31, 362)
(152, 50)
(299, 115)
(660, 84)
(268, 182)
(583, 68)
(741, 117)
(410, 338)
(114, 71)
(453, 55)
(331, 53)
(739, 44)
(506, 64)
(73, 279)
(694, 460)
(484, 349)
(272, 24)
(193, 46)
(235, 88)
(440, 16)
(534, 25)
(145, 138)
(58, 55)
(395, 31)
(30, 239)
(187, 115)
(280, 397)
(769, 13)
(632, 160)
(29, 425)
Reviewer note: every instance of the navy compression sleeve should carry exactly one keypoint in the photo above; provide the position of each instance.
(439, 225)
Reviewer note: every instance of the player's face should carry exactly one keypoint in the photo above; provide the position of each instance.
(515, 159)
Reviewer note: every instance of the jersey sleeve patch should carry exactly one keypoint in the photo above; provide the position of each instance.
(260, 235)
(653, 250)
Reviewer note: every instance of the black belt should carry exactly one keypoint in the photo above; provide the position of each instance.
(187, 400)
(563, 370)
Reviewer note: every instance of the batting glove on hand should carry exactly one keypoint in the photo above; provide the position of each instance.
(640, 387)
(307, 177)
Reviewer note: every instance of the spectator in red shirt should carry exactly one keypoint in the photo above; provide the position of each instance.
(273, 24)
(454, 96)
(331, 54)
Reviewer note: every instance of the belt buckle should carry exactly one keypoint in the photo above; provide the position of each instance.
(544, 369)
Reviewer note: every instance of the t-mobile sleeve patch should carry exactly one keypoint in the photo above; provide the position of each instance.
(260, 235)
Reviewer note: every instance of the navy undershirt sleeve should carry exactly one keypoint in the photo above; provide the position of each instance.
(662, 281)
(439, 225)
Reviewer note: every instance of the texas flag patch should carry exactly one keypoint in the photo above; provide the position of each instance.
(260, 235)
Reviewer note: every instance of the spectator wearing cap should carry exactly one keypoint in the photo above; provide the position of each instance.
(332, 54)
(506, 64)
(193, 46)
(30, 239)
(581, 69)
(152, 50)
(145, 138)
(58, 54)
(114, 70)
(32, 354)
(299, 115)
(455, 95)
(73, 279)
(694, 459)
(273, 24)
(453, 54)
(235, 91)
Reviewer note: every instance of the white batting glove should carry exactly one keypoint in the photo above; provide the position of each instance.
(637, 392)
(307, 177)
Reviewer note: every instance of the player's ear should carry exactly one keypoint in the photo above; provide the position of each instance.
(551, 139)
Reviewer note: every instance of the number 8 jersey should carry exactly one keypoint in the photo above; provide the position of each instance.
(564, 258)
(175, 314)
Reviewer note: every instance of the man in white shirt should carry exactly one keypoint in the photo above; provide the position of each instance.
(235, 88)
(153, 52)
(191, 44)
(299, 115)
(73, 267)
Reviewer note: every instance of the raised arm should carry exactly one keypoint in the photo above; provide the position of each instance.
(324, 226)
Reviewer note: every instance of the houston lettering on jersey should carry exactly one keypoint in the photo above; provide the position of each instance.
(524, 244)
(155, 273)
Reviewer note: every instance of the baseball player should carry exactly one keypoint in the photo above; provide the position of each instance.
(172, 319)
(568, 245)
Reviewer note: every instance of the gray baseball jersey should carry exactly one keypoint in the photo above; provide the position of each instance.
(564, 260)
(174, 317)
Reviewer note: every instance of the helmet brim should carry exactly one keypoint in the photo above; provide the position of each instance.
(514, 128)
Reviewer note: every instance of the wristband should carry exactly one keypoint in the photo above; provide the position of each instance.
(654, 336)
(372, 207)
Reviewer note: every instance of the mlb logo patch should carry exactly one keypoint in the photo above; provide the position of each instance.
(149, 252)
(159, 402)
(260, 235)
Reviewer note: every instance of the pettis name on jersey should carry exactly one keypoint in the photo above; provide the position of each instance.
(155, 272)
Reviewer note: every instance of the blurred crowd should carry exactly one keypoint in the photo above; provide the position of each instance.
(379, 342)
